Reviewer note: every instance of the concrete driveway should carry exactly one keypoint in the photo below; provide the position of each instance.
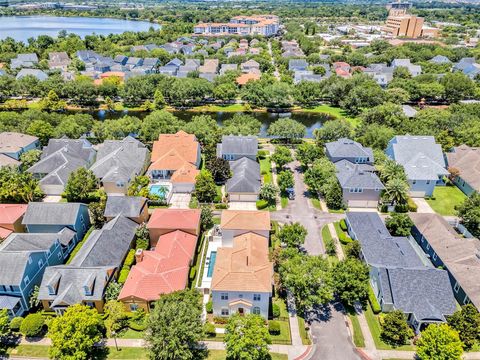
(422, 206)
(52, 198)
(242, 205)
(180, 201)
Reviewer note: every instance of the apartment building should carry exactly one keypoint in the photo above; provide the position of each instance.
(265, 25)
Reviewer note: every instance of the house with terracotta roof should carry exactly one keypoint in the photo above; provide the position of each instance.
(245, 78)
(239, 222)
(176, 158)
(242, 277)
(11, 216)
(164, 221)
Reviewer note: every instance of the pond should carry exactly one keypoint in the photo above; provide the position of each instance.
(21, 28)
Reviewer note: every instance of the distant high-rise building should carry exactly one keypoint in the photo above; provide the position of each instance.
(400, 23)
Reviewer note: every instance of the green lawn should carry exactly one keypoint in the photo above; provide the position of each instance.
(303, 332)
(358, 338)
(316, 203)
(446, 198)
(284, 335)
(282, 305)
(266, 170)
(217, 108)
(284, 201)
(375, 330)
(41, 351)
(326, 237)
(333, 111)
(77, 247)
(131, 334)
(221, 355)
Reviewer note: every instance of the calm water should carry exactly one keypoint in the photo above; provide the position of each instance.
(23, 27)
(310, 120)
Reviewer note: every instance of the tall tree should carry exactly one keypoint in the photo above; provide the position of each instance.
(307, 153)
(287, 129)
(220, 169)
(241, 124)
(292, 235)
(247, 337)
(205, 188)
(282, 156)
(81, 186)
(467, 322)
(439, 342)
(399, 224)
(395, 330)
(469, 213)
(351, 280)
(396, 191)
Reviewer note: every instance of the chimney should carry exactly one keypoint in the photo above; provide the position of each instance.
(139, 256)
(247, 260)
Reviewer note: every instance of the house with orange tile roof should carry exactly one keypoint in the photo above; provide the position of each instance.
(245, 78)
(164, 221)
(238, 222)
(11, 216)
(176, 158)
(242, 277)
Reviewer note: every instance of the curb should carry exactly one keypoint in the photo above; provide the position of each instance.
(362, 354)
(305, 354)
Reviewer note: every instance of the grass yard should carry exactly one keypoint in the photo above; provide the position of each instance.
(375, 330)
(284, 201)
(221, 355)
(358, 338)
(332, 111)
(284, 337)
(303, 332)
(316, 203)
(218, 108)
(282, 305)
(327, 237)
(41, 351)
(446, 198)
(266, 170)
(131, 334)
(77, 247)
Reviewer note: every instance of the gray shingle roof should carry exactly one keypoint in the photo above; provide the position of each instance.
(12, 266)
(43, 213)
(238, 145)
(8, 302)
(440, 59)
(39, 74)
(346, 148)
(107, 246)
(357, 176)
(379, 248)
(246, 176)
(128, 206)
(36, 241)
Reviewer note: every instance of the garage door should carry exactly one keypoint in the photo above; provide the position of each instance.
(417, 194)
(182, 188)
(243, 197)
(362, 204)
(52, 189)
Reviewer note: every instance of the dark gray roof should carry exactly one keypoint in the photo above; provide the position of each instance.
(12, 266)
(427, 293)
(36, 241)
(357, 176)
(107, 246)
(346, 148)
(128, 206)
(69, 282)
(379, 248)
(246, 176)
(8, 302)
(44, 213)
(39, 74)
(440, 59)
(238, 145)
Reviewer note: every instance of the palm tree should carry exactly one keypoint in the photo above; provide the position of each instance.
(391, 170)
(396, 191)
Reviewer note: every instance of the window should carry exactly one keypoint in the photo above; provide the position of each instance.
(456, 287)
(466, 300)
(414, 182)
(434, 256)
(90, 303)
(224, 296)
(133, 307)
(256, 310)
(120, 184)
(428, 246)
(240, 296)
(428, 182)
(257, 297)
(30, 260)
(26, 280)
(59, 256)
(355, 190)
(224, 312)
(40, 263)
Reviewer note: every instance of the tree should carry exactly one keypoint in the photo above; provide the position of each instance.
(247, 337)
(113, 290)
(439, 342)
(351, 280)
(307, 153)
(4, 323)
(117, 317)
(307, 277)
(97, 209)
(75, 333)
(281, 156)
(41, 129)
(469, 213)
(116, 129)
(332, 191)
(402, 72)
(353, 249)
(29, 158)
(399, 224)
(18, 187)
(205, 128)
(143, 237)
(241, 124)
(395, 330)
(32, 325)
(285, 180)
(174, 326)
(458, 86)
(396, 191)
(33, 300)
(206, 217)
(205, 188)
(158, 100)
(287, 129)
(52, 102)
(397, 95)
(159, 122)
(220, 169)
(226, 92)
(292, 235)
(81, 186)
(375, 136)
(467, 323)
(139, 186)
(269, 193)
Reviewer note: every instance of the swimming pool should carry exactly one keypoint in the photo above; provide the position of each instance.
(211, 265)
(160, 190)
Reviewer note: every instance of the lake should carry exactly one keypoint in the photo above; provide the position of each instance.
(23, 27)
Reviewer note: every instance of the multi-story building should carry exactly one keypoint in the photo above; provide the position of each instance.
(265, 25)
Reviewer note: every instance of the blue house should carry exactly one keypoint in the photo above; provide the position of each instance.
(14, 144)
(458, 255)
(23, 260)
(422, 160)
(465, 160)
(42, 217)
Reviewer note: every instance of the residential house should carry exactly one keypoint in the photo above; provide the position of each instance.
(238, 222)
(242, 277)
(440, 59)
(228, 67)
(59, 60)
(297, 64)
(209, 66)
(463, 64)
(120, 59)
(44, 217)
(361, 187)
(422, 160)
(400, 278)
(13, 144)
(414, 70)
(164, 221)
(466, 161)
(85, 279)
(24, 61)
(306, 75)
(59, 159)
(458, 255)
(175, 62)
(346, 149)
(36, 73)
(235, 147)
(245, 183)
(133, 207)
(250, 66)
(119, 162)
(166, 268)
(409, 111)
(245, 78)
(176, 158)
(133, 62)
(11, 216)
(381, 73)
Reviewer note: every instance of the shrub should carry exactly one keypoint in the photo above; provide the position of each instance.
(344, 238)
(32, 325)
(343, 225)
(403, 208)
(411, 205)
(373, 302)
(209, 307)
(193, 272)
(209, 329)
(221, 206)
(123, 275)
(220, 320)
(276, 310)
(130, 258)
(16, 323)
(261, 204)
(274, 327)
(330, 247)
(142, 243)
(262, 154)
(136, 326)
(384, 208)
